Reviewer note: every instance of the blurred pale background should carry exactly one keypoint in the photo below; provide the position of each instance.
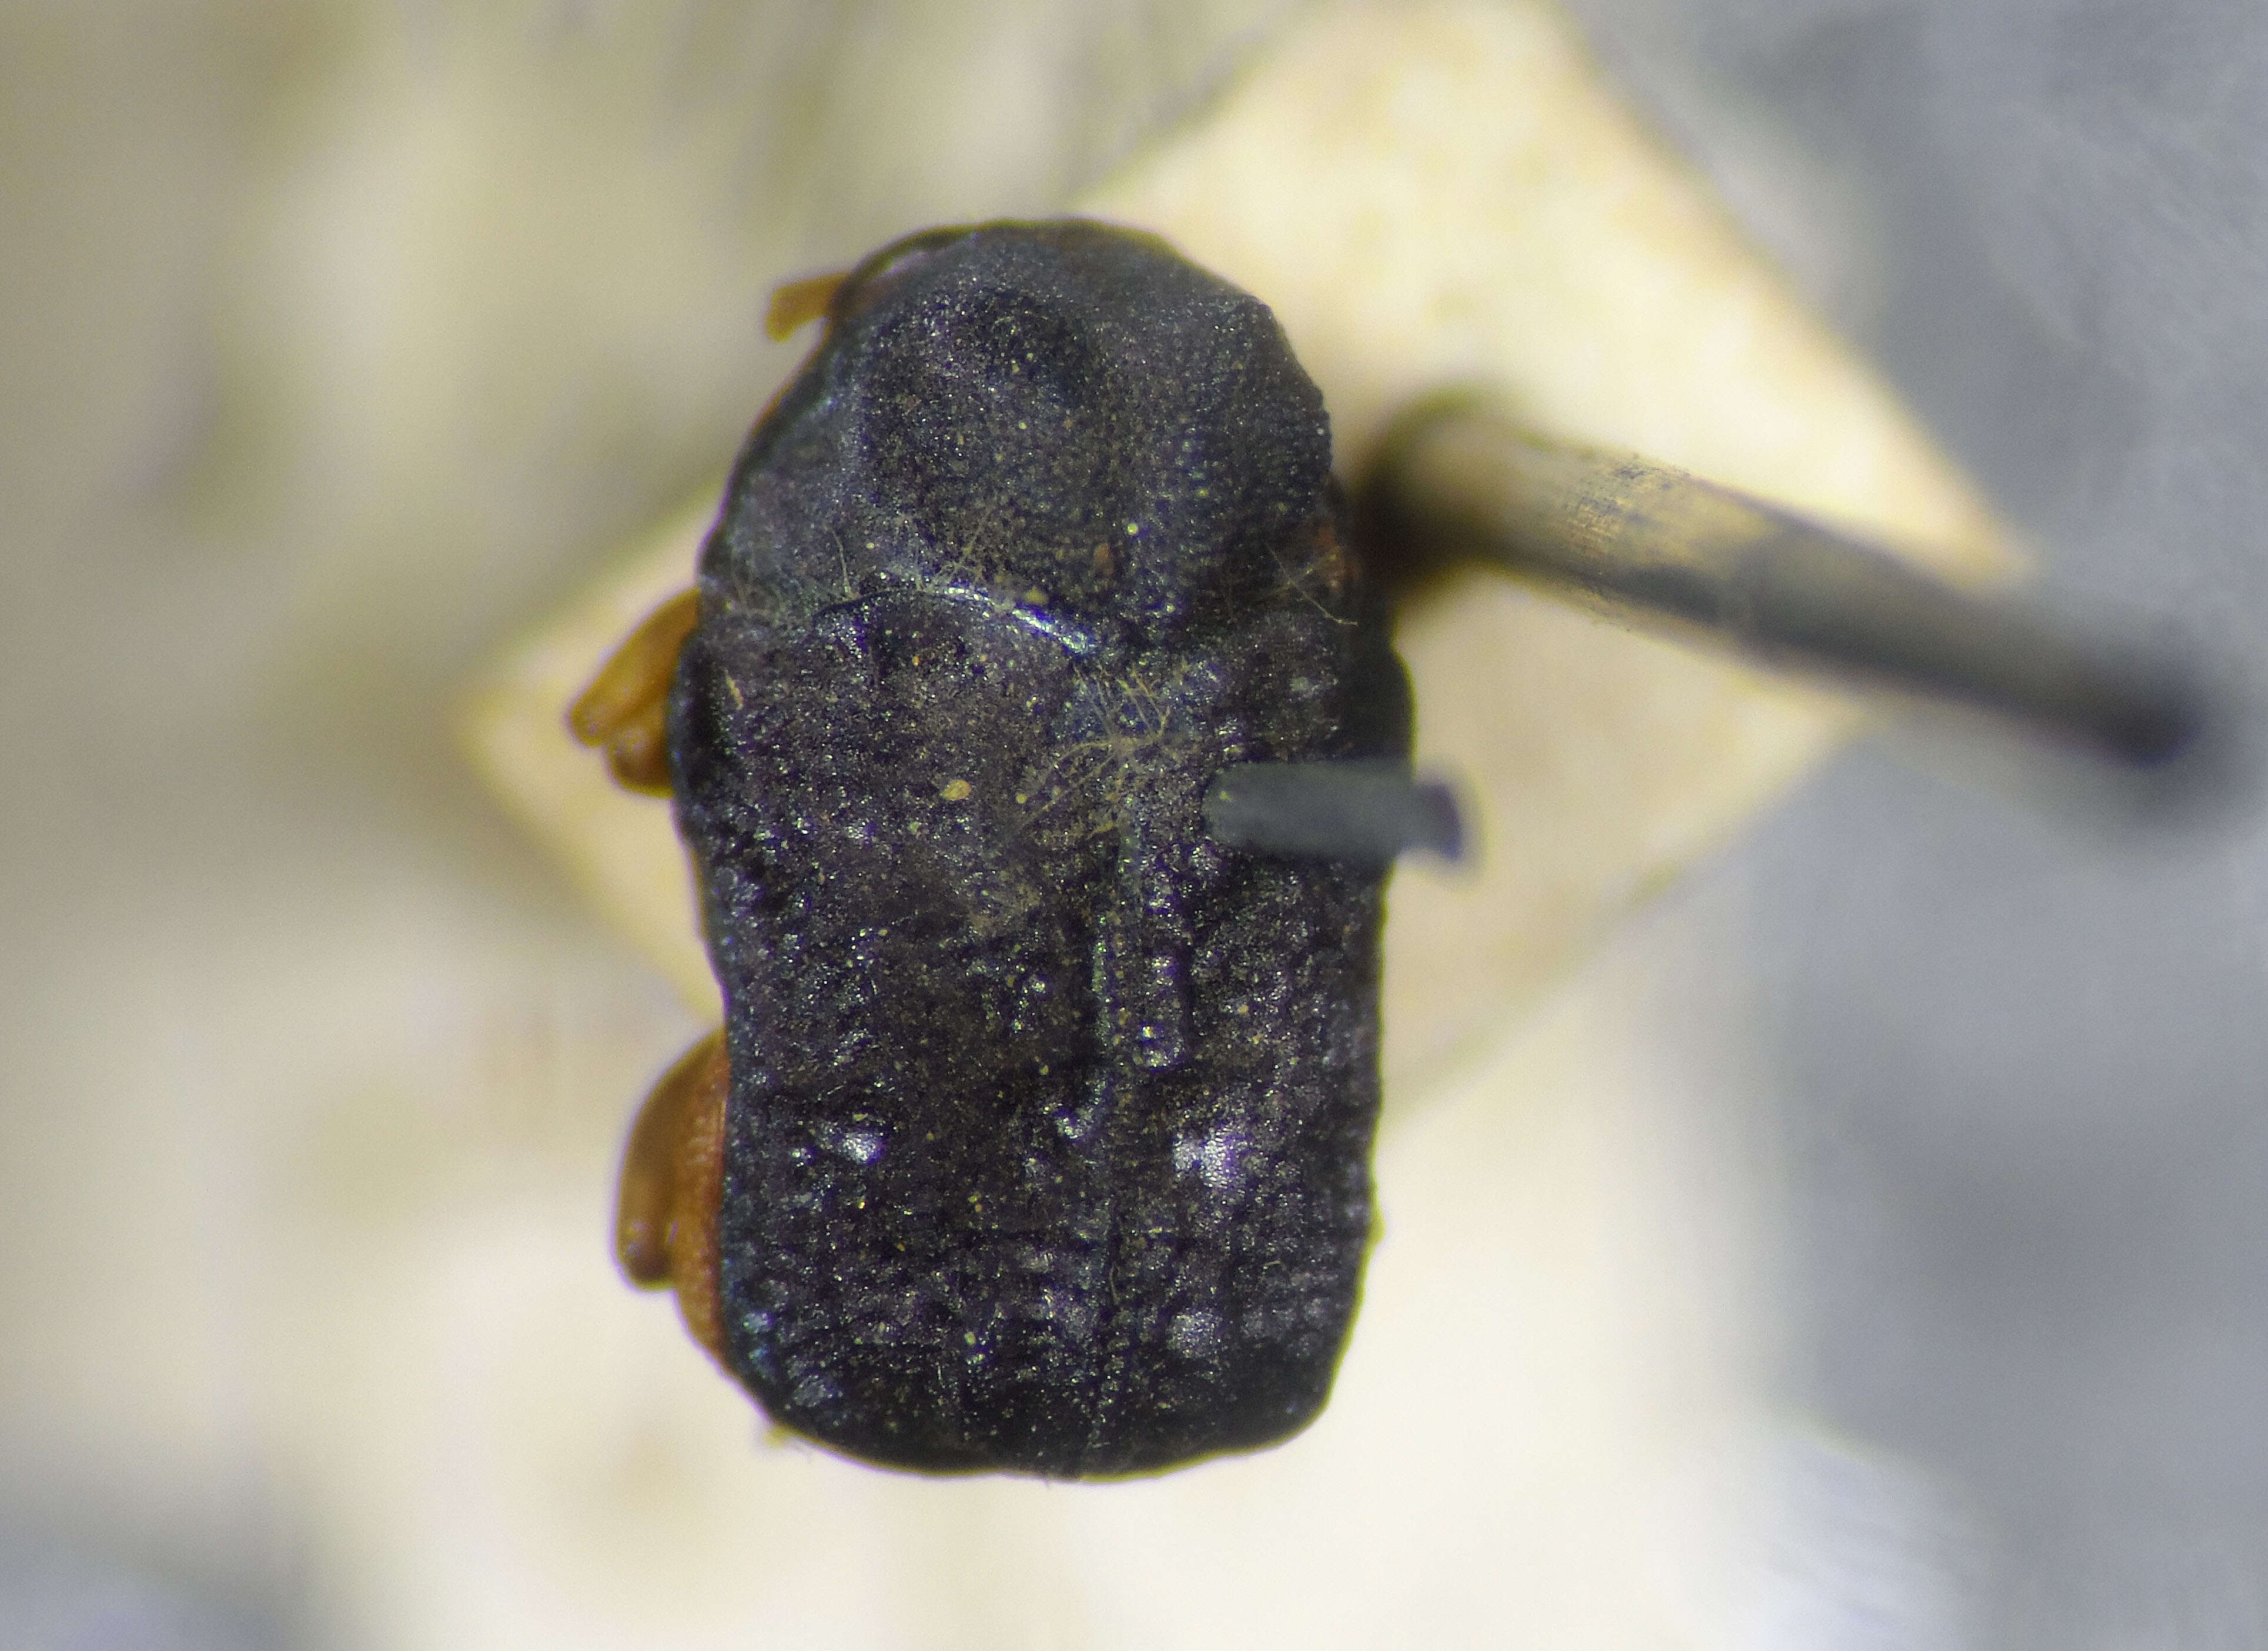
(339, 339)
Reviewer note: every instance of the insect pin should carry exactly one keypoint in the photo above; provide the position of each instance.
(1040, 751)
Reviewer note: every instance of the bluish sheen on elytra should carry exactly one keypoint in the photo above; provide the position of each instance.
(1050, 1124)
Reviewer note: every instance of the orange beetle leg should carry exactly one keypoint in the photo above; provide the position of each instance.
(673, 1180)
(622, 710)
(795, 302)
(637, 753)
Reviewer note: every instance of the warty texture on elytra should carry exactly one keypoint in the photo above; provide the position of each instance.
(1046, 1139)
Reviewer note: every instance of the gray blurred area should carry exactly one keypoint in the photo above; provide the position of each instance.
(2021, 1059)
(338, 341)
(2025, 1058)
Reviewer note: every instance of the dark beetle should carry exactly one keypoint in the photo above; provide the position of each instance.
(1042, 751)
(1038, 1137)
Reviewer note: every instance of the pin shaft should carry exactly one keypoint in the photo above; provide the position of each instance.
(1632, 538)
